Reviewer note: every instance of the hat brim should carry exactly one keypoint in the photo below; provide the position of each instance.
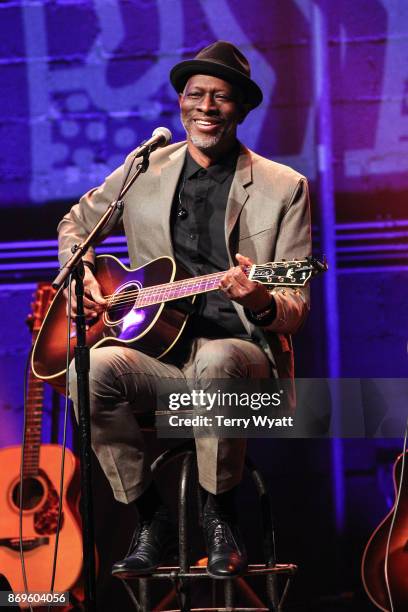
(181, 72)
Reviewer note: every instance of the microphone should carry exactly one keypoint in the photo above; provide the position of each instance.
(161, 137)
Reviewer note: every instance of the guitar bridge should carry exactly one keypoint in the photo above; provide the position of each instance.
(28, 543)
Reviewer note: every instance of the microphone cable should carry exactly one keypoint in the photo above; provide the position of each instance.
(394, 516)
(66, 405)
(64, 437)
(23, 446)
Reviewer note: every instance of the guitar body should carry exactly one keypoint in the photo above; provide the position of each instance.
(152, 329)
(372, 568)
(40, 503)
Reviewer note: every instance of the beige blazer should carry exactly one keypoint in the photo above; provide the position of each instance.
(267, 218)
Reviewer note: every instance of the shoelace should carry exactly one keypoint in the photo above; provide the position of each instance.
(221, 533)
(143, 535)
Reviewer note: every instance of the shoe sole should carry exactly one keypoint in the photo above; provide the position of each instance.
(229, 577)
(134, 573)
(168, 556)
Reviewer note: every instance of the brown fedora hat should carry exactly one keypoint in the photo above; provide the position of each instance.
(223, 60)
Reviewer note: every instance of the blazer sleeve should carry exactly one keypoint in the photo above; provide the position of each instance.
(293, 242)
(83, 216)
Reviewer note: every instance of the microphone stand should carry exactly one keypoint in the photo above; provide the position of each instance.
(74, 268)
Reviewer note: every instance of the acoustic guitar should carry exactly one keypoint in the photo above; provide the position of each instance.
(373, 563)
(41, 477)
(147, 307)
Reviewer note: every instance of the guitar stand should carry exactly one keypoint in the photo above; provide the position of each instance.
(184, 574)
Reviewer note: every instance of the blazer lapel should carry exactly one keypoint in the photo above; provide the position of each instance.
(238, 196)
(169, 177)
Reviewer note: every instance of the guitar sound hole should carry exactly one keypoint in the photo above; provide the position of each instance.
(123, 302)
(33, 492)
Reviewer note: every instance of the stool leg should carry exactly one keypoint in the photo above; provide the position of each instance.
(229, 594)
(144, 595)
(184, 590)
(132, 596)
(272, 593)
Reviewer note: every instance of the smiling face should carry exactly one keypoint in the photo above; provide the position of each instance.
(211, 110)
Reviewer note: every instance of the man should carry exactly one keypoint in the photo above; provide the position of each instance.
(202, 202)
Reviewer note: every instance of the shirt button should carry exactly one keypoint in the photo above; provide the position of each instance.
(192, 236)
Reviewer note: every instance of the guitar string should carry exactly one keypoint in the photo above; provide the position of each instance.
(179, 283)
(168, 286)
(182, 284)
(121, 301)
(21, 487)
(119, 306)
(142, 295)
(190, 281)
(64, 443)
(128, 298)
(147, 292)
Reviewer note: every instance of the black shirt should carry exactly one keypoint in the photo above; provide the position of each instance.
(198, 234)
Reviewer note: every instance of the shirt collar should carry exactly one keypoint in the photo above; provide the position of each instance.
(219, 171)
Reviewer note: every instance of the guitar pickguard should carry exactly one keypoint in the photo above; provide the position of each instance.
(46, 519)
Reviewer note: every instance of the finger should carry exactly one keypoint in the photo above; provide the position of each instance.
(96, 293)
(89, 303)
(241, 279)
(234, 281)
(91, 311)
(243, 260)
(228, 287)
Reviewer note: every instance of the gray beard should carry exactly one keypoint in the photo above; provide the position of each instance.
(202, 142)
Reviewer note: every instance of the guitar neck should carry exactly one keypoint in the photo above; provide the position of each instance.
(34, 410)
(179, 289)
(35, 386)
(281, 273)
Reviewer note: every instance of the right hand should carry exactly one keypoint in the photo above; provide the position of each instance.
(94, 302)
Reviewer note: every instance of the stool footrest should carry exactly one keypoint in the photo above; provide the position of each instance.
(199, 571)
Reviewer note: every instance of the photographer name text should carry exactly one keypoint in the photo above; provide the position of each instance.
(223, 421)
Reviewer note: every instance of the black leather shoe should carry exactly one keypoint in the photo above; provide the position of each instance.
(151, 544)
(226, 551)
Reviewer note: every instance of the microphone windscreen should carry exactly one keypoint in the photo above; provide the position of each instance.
(165, 132)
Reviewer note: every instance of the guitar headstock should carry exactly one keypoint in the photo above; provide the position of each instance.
(42, 301)
(295, 273)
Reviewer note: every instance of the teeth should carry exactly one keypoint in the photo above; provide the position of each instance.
(201, 122)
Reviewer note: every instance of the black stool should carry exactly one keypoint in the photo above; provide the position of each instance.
(182, 575)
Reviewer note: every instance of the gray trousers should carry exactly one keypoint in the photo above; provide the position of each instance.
(123, 383)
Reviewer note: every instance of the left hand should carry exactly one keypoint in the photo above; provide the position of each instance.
(237, 287)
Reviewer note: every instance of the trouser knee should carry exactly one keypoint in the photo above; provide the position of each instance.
(219, 359)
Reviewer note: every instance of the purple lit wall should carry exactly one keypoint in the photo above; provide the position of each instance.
(82, 82)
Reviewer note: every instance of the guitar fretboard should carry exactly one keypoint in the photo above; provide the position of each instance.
(178, 289)
(34, 408)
